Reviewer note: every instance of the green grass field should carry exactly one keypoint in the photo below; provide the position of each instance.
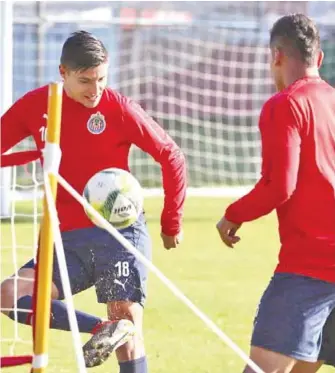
(225, 284)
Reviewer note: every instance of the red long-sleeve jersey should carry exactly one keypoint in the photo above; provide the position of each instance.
(95, 139)
(297, 129)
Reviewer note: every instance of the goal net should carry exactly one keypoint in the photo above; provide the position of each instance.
(203, 81)
(204, 84)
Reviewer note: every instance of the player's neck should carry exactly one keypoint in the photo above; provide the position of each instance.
(294, 74)
(68, 94)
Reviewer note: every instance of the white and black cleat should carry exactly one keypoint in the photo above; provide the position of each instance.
(109, 336)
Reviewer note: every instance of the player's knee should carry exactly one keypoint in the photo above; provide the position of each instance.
(118, 310)
(18, 287)
(7, 294)
(270, 361)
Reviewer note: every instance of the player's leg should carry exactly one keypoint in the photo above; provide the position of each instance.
(24, 288)
(131, 356)
(289, 324)
(24, 305)
(270, 361)
(78, 254)
(121, 283)
(17, 291)
(327, 353)
(123, 334)
(273, 362)
(303, 367)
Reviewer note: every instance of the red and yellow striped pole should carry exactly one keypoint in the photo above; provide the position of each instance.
(45, 256)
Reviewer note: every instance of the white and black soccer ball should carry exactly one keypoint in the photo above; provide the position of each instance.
(116, 195)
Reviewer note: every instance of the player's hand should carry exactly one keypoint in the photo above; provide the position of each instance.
(227, 230)
(170, 242)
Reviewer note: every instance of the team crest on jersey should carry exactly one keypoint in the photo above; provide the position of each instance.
(96, 124)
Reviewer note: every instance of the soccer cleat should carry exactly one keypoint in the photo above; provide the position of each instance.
(108, 337)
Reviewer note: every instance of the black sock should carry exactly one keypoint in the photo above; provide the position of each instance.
(134, 366)
(23, 317)
(59, 318)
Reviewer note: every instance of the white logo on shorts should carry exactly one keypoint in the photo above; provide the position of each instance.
(118, 282)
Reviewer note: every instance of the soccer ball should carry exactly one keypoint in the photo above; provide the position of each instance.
(116, 195)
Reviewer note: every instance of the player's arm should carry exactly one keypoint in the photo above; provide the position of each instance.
(13, 130)
(280, 133)
(144, 132)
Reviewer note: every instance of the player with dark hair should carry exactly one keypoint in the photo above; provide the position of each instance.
(98, 128)
(294, 330)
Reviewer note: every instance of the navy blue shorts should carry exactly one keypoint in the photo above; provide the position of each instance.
(94, 257)
(296, 317)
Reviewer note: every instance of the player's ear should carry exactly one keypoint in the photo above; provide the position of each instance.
(277, 56)
(320, 58)
(62, 70)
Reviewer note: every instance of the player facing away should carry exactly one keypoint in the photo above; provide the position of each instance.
(294, 329)
(98, 128)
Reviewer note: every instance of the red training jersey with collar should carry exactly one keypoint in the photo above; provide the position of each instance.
(297, 129)
(93, 139)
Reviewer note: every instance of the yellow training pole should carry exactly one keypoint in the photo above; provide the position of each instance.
(45, 259)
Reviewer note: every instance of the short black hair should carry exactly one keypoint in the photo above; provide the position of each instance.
(82, 50)
(298, 36)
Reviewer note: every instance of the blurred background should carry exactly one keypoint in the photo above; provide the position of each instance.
(199, 68)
